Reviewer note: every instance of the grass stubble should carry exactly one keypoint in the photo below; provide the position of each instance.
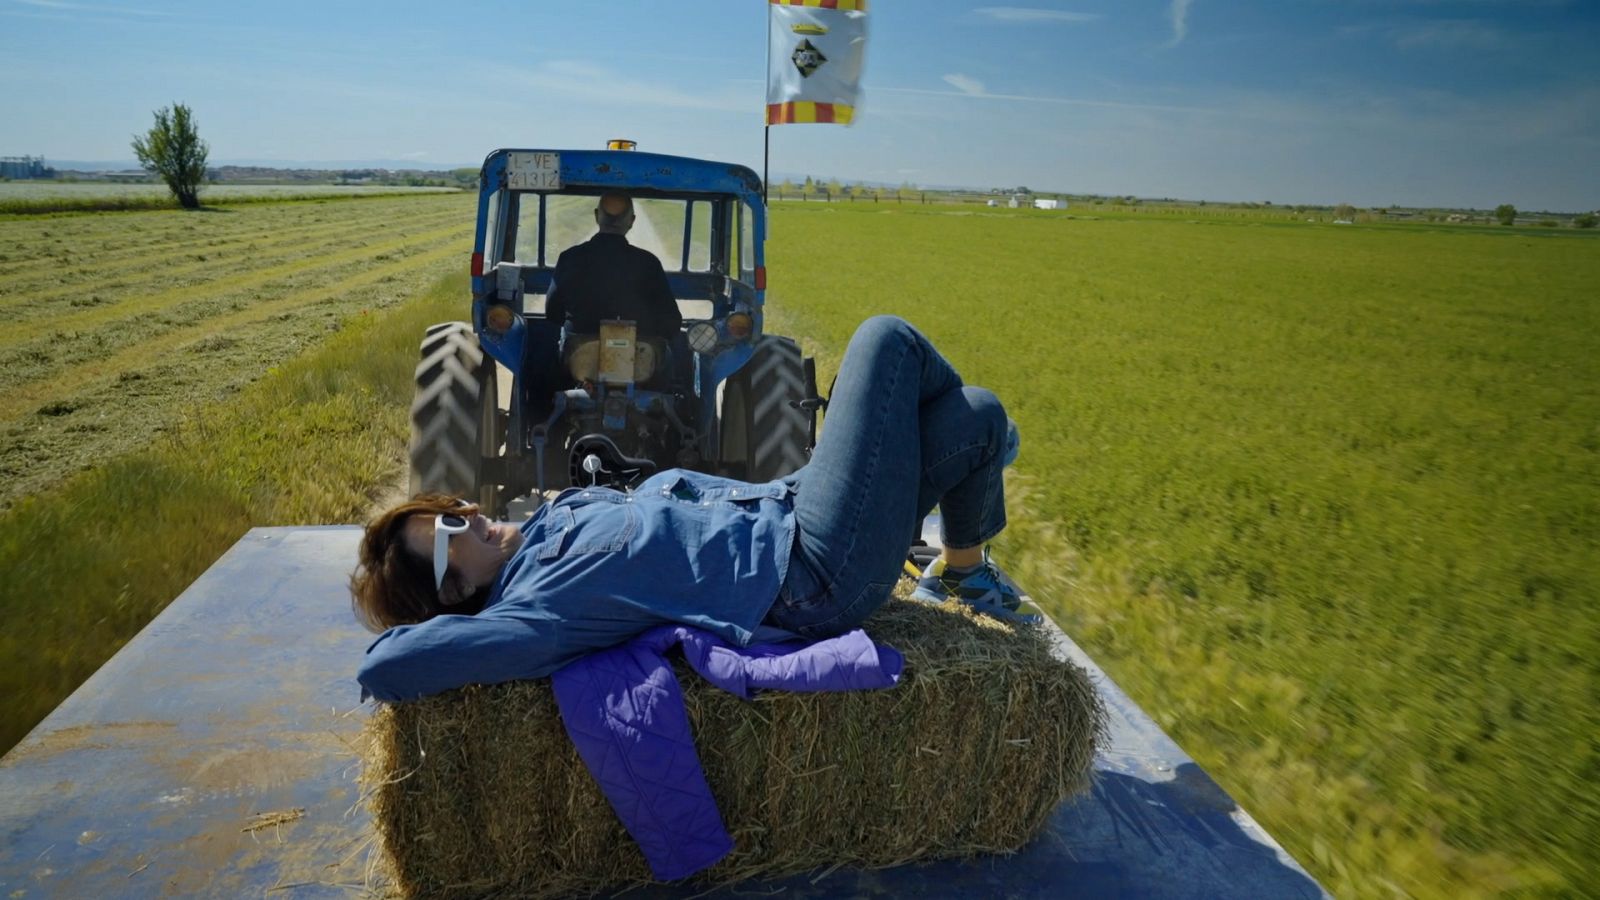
(80, 385)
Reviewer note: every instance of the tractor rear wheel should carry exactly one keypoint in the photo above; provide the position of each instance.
(764, 435)
(455, 417)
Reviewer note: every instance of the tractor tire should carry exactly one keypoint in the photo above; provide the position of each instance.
(764, 435)
(455, 417)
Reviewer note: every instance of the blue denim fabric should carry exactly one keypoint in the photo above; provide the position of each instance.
(598, 567)
(902, 435)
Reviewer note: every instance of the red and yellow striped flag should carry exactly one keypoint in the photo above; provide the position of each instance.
(815, 55)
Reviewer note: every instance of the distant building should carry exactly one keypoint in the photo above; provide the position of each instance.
(25, 167)
(1049, 204)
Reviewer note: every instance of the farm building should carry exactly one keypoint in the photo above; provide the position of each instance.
(24, 167)
(1049, 204)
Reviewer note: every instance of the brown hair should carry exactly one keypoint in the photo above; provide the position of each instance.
(393, 586)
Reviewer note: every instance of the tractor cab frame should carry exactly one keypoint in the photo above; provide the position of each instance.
(720, 396)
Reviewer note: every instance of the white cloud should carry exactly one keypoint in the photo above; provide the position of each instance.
(965, 85)
(1029, 14)
(1179, 13)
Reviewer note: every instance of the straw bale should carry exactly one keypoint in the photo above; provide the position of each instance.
(480, 792)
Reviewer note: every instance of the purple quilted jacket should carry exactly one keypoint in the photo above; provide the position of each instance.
(624, 711)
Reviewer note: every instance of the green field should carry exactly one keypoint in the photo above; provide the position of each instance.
(1325, 500)
(33, 197)
(115, 326)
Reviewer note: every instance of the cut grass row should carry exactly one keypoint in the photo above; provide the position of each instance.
(143, 304)
(30, 294)
(161, 303)
(1324, 500)
(104, 371)
(53, 205)
(29, 245)
(90, 561)
(76, 390)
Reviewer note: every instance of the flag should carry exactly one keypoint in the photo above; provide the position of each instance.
(814, 57)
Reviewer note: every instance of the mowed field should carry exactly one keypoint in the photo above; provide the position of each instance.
(114, 326)
(169, 380)
(45, 197)
(1325, 500)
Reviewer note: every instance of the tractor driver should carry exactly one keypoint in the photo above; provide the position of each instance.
(608, 278)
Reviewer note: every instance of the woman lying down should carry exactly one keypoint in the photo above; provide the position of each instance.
(468, 601)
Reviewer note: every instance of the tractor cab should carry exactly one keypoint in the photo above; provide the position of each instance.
(611, 401)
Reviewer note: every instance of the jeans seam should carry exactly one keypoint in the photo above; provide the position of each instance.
(876, 456)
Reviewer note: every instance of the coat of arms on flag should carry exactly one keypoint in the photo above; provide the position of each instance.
(815, 56)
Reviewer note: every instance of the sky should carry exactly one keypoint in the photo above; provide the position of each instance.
(1460, 103)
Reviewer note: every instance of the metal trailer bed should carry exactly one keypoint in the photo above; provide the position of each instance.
(214, 756)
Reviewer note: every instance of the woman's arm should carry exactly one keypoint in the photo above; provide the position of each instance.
(411, 661)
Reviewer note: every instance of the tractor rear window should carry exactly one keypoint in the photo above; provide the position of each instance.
(659, 226)
(679, 233)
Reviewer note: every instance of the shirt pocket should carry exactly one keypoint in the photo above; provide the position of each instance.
(596, 528)
(706, 493)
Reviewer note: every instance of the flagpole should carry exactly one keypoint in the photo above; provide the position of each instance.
(766, 130)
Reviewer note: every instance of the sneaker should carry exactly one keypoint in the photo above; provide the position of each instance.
(982, 588)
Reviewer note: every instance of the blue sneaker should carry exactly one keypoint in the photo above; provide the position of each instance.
(982, 588)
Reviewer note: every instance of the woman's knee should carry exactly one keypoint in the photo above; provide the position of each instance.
(987, 408)
(878, 332)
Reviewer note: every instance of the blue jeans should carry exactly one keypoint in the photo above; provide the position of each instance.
(902, 435)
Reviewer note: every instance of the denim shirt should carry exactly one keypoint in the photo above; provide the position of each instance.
(597, 567)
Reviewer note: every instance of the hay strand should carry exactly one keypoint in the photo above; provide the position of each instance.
(479, 791)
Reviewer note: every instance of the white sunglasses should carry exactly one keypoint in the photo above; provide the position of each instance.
(445, 527)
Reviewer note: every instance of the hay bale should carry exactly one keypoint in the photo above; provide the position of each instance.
(479, 791)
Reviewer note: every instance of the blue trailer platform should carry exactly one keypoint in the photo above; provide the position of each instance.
(215, 756)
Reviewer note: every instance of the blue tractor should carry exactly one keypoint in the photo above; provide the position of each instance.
(610, 407)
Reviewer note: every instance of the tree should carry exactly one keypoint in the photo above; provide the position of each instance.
(1506, 213)
(173, 150)
(1587, 220)
(1344, 211)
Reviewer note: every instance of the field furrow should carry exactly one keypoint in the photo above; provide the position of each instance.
(22, 298)
(29, 246)
(63, 385)
(95, 410)
(51, 236)
(102, 316)
(35, 364)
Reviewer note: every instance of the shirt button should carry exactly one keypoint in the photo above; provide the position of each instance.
(735, 492)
